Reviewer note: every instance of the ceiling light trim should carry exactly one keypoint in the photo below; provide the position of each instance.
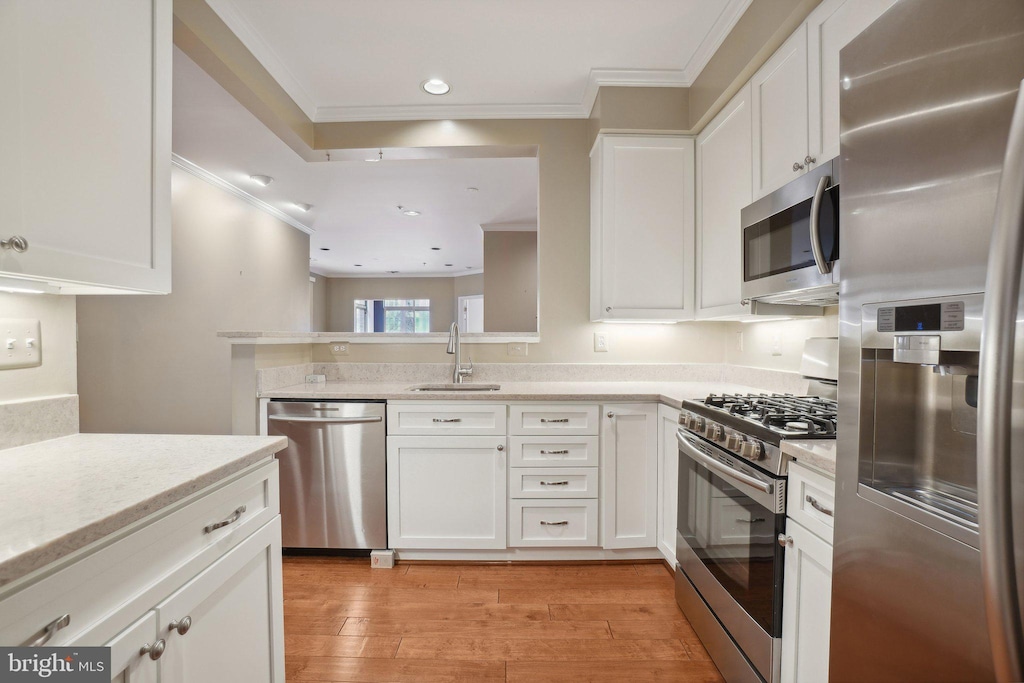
(233, 18)
(215, 180)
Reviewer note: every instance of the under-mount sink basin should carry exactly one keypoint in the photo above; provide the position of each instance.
(455, 387)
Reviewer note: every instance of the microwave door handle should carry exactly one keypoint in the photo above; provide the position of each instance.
(995, 409)
(824, 267)
(719, 468)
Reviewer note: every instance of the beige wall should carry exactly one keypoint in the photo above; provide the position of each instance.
(57, 374)
(343, 291)
(652, 109)
(510, 281)
(154, 363)
(318, 303)
(467, 285)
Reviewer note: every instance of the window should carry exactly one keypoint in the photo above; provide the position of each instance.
(392, 315)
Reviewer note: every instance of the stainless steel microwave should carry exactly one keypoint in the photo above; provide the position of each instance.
(791, 241)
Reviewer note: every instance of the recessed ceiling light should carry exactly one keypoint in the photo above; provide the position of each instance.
(469, 267)
(262, 180)
(449, 265)
(410, 212)
(472, 189)
(435, 249)
(304, 207)
(394, 272)
(325, 248)
(435, 86)
(358, 265)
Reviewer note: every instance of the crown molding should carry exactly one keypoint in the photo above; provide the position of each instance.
(726, 21)
(229, 13)
(395, 276)
(215, 180)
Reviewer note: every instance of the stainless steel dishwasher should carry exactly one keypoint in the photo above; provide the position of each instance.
(333, 474)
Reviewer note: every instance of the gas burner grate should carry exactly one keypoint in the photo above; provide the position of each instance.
(782, 413)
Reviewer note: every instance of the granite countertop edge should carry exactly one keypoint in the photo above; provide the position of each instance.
(818, 454)
(229, 455)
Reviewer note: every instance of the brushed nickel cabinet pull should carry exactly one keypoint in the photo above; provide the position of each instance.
(43, 636)
(564, 522)
(564, 451)
(447, 419)
(560, 420)
(180, 625)
(155, 651)
(15, 243)
(818, 506)
(554, 483)
(235, 516)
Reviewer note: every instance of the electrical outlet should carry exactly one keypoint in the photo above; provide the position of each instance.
(776, 346)
(601, 344)
(517, 348)
(339, 348)
(316, 379)
(20, 345)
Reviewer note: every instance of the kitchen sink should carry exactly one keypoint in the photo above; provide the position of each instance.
(455, 387)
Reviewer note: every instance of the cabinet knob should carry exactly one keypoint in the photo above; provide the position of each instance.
(15, 243)
(797, 166)
(181, 625)
(785, 541)
(155, 651)
(810, 160)
(611, 414)
(501, 447)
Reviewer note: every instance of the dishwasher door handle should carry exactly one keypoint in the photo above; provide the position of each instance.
(326, 420)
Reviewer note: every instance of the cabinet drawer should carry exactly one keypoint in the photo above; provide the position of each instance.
(554, 418)
(131, 574)
(811, 500)
(541, 451)
(553, 482)
(553, 523)
(446, 419)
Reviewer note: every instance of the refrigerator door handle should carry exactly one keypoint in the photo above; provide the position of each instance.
(1002, 291)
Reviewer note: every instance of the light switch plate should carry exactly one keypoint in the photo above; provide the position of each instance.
(517, 348)
(20, 344)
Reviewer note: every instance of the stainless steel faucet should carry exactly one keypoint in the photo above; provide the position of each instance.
(455, 347)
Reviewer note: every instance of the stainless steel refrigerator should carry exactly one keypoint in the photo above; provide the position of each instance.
(931, 385)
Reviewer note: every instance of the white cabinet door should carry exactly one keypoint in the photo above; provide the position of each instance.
(85, 141)
(629, 476)
(806, 607)
(668, 477)
(447, 492)
(641, 236)
(128, 663)
(832, 25)
(724, 187)
(235, 609)
(779, 101)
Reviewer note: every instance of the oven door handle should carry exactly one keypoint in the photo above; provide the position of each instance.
(824, 267)
(719, 468)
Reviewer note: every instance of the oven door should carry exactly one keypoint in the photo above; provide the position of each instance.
(729, 518)
(791, 237)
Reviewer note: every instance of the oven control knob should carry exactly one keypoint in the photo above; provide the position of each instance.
(715, 432)
(695, 423)
(753, 450)
(734, 442)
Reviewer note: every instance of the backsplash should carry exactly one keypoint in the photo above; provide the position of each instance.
(38, 419)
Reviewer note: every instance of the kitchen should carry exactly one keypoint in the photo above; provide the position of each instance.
(596, 515)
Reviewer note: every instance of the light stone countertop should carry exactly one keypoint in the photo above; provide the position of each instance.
(669, 393)
(60, 495)
(819, 454)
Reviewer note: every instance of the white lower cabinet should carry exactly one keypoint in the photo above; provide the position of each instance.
(554, 523)
(128, 663)
(629, 476)
(447, 492)
(668, 476)
(807, 583)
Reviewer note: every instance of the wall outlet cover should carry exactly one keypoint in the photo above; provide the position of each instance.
(316, 379)
(339, 348)
(518, 348)
(601, 344)
(20, 344)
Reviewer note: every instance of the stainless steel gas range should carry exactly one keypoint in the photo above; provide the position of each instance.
(732, 508)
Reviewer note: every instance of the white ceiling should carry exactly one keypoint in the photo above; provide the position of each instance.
(355, 211)
(345, 60)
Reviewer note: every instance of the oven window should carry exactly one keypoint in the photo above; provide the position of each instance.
(782, 242)
(735, 538)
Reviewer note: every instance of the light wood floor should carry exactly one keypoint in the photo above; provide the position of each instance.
(425, 623)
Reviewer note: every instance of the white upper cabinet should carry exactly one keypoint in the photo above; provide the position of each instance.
(642, 222)
(832, 25)
(779, 99)
(85, 143)
(724, 187)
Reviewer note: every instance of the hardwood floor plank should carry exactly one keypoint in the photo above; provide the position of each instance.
(546, 649)
(414, 610)
(559, 583)
(369, 577)
(584, 596)
(345, 669)
(513, 570)
(340, 646)
(614, 611)
(647, 629)
(523, 628)
(653, 569)
(613, 672)
(388, 596)
(313, 624)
